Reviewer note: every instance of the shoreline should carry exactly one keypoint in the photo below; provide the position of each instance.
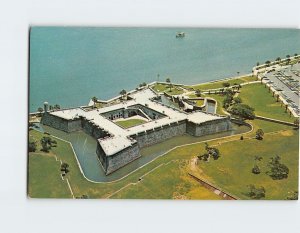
(152, 83)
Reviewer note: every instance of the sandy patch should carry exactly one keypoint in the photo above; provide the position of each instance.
(287, 133)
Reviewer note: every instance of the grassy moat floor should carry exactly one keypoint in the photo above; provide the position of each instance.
(167, 176)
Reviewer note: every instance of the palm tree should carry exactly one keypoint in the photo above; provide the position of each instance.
(168, 80)
(198, 92)
(238, 73)
(286, 107)
(123, 93)
(278, 59)
(56, 106)
(257, 63)
(277, 97)
(268, 63)
(94, 99)
(296, 54)
(40, 110)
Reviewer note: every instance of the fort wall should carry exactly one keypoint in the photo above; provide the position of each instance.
(208, 127)
(118, 160)
(160, 134)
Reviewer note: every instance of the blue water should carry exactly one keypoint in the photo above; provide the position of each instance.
(69, 65)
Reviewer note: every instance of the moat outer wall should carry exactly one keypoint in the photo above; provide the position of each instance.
(114, 162)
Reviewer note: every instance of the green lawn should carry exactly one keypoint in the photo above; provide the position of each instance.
(44, 177)
(130, 123)
(219, 84)
(171, 178)
(176, 184)
(199, 102)
(232, 171)
(258, 97)
(175, 90)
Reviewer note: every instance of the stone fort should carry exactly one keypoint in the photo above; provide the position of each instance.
(118, 146)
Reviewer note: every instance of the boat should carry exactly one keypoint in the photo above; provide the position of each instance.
(180, 34)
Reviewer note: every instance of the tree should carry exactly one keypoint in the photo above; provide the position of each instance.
(243, 111)
(237, 100)
(296, 122)
(94, 99)
(50, 107)
(256, 193)
(259, 134)
(45, 146)
(293, 196)
(227, 101)
(226, 84)
(32, 146)
(143, 84)
(198, 93)
(168, 80)
(47, 143)
(123, 93)
(210, 152)
(296, 54)
(257, 63)
(268, 63)
(278, 59)
(277, 170)
(40, 110)
(256, 169)
(57, 106)
(64, 167)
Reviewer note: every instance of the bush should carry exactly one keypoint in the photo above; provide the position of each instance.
(277, 170)
(259, 134)
(242, 137)
(32, 147)
(226, 84)
(256, 193)
(243, 111)
(293, 196)
(255, 170)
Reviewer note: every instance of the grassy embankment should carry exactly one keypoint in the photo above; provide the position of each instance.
(219, 84)
(175, 90)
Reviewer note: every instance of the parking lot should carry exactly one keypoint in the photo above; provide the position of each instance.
(286, 82)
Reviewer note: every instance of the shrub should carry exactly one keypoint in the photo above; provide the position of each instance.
(259, 134)
(277, 170)
(255, 169)
(31, 146)
(256, 193)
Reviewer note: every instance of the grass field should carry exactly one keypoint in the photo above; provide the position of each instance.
(258, 97)
(219, 84)
(166, 176)
(130, 123)
(232, 171)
